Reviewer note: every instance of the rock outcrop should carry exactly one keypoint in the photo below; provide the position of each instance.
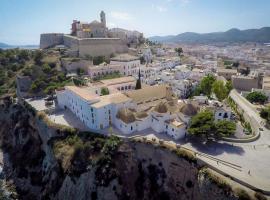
(132, 171)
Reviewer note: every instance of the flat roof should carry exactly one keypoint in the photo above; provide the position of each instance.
(149, 92)
(82, 92)
(224, 70)
(125, 58)
(111, 99)
(120, 80)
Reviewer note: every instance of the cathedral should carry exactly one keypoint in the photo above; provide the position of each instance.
(94, 29)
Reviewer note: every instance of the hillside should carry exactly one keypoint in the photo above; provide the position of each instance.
(48, 163)
(233, 35)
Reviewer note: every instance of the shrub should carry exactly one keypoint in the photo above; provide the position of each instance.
(104, 91)
(189, 156)
(260, 196)
(220, 182)
(242, 194)
(257, 97)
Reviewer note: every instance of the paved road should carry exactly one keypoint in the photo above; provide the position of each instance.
(253, 158)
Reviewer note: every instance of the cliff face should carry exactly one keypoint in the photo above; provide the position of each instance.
(98, 168)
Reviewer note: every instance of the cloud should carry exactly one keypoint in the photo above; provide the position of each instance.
(111, 24)
(185, 1)
(121, 15)
(182, 2)
(159, 8)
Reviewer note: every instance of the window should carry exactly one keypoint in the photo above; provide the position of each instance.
(93, 121)
(166, 126)
(91, 109)
(131, 128)
(219, 114)
(173, 129)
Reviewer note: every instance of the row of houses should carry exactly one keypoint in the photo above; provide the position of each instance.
(130, 111)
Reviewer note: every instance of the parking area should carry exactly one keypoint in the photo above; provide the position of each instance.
(67, 118)
(40, 104)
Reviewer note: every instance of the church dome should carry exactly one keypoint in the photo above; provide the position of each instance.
(141, 115)
(126, 115)
(189, 109)
(161, 108)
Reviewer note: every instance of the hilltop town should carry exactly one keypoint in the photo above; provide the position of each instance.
(211, 101)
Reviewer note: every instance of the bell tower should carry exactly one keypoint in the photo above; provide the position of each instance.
(103, 18)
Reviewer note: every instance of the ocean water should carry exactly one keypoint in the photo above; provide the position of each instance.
(21, 47)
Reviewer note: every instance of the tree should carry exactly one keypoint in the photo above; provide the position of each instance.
(179, 50)
(257, 97)
(205, 86)
(46, 68)
(38, 55)
(202, 124)
(225, 128)
(80, 71)
(229, 86)
(265, 114)
(98, 60)
(104, 91)
(220, 90)
(138, 83)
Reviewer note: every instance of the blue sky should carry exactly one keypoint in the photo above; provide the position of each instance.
(22, 21)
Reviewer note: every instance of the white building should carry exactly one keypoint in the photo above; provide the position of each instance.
(95, 71)
(129, 64)
(151, 107)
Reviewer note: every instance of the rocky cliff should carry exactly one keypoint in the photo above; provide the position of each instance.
(44, 163)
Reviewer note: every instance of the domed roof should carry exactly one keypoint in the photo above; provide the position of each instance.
(141, 115)
(126, 115)
(189, 109)
(161, 107)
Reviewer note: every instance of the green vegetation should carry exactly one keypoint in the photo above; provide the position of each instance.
(138, 83)
(220, 90)
(179, 51)
(104, 91)
(257, 97)
(229, 86)
(242, 194)
(220, 182)
(78, 81)
(188, 155)
(225, 128)
(240, 115)
(99, 59)
(40, 66)
(12, 61)
(109, 76)
(265, 114)
(209, 85)
(260, 196)
(76, 152)
(80, 72)
(203, 125)
(205, 86)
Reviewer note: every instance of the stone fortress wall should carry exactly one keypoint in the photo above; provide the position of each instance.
(48, 40)
(85, 46)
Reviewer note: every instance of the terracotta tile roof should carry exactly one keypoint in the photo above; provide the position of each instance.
(82, 92)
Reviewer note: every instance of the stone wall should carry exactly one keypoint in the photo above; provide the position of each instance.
(95, 46)
(74, 64)
(48, 40)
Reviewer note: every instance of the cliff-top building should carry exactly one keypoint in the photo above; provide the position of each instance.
(93, 39)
